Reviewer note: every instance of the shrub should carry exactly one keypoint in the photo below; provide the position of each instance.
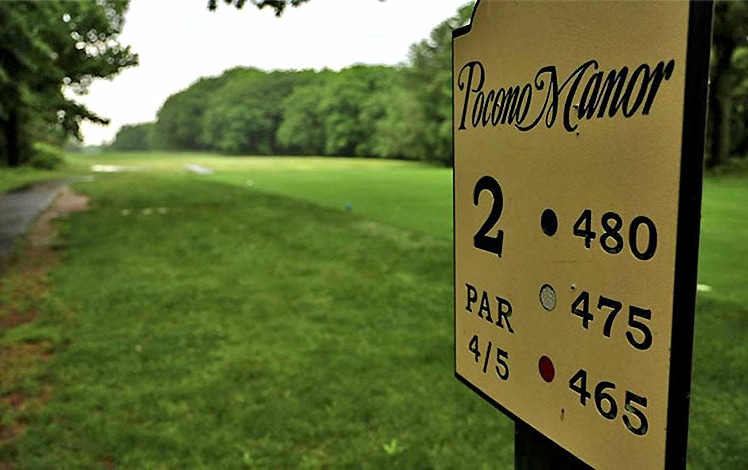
(46, 156)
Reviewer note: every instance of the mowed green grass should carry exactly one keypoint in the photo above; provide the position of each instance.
(719, 407)
(201, 322)
(403, 194)
(237, 329)
(16, 178)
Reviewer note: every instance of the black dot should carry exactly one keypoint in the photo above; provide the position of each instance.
(549, 222)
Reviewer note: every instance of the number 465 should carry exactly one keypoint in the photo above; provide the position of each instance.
(633, 417)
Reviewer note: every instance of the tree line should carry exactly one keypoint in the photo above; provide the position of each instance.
(389, 112)
(52, 51)
(402, 112)
(727, 132)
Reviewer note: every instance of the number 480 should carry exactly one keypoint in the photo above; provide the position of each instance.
(611, 239)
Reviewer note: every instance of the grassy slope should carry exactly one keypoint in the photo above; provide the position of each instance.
(11, 179)
(201, 341)
(406, 195)
(246, 329)
(719, 408)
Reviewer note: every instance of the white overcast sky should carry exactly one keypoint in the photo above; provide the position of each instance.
(179, 41)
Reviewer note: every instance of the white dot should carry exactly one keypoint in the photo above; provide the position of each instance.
(547, 297)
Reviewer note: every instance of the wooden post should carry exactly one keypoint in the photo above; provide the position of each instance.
(533, 451)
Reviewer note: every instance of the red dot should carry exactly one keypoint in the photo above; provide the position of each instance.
(546, 369)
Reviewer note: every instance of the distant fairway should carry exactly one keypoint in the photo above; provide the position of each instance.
(405, 194)
(234, 320)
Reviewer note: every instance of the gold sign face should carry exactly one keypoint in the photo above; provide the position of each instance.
(568, 131)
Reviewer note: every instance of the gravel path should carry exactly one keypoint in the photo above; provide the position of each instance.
(18, 209)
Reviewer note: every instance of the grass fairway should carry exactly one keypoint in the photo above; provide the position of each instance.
(412, 196)
(240, 329)
(201, 322)
(719, 408)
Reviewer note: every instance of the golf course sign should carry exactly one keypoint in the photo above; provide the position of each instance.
(578, 146)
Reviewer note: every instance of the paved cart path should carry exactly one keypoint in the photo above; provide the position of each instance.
(18, 209)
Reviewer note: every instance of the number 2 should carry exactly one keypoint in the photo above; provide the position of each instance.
(482, 240)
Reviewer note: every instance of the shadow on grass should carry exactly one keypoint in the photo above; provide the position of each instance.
(718, 434)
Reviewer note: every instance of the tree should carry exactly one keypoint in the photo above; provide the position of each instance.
(180, 119)
(277, 5)
(401, 132)
(428, 76)
(133, 137)
(302, 130)
(244, 114)
(729, 34)
(46, 47)
(350, 106)
(739, 137)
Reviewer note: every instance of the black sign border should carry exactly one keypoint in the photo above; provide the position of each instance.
(687, 237)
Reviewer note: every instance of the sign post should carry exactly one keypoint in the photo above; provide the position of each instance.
(578, 142)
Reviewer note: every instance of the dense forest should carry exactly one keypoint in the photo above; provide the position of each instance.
(364, 110)
(389, 112)
(52, 51)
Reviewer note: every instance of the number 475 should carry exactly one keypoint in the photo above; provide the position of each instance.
(639, 335)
